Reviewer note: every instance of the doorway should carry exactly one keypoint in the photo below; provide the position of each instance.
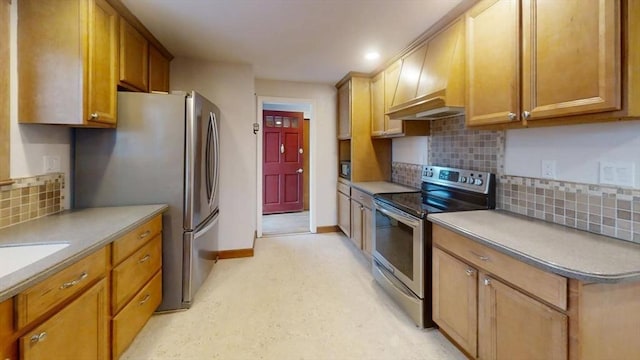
(276, 211)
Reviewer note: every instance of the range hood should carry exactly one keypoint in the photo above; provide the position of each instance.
(431, 81)
(431, 108)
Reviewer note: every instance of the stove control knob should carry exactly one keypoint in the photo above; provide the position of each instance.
(470, 180)
(463, 179)
(478, 182)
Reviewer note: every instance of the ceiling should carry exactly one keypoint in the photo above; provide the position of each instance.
(295, 40)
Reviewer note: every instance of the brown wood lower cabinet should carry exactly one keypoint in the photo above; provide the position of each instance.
(489, 319)
(86, 310)
(128, 323)
(511, 323)
(362, 220)
(531, 315)
(79, 331)
(344, 210)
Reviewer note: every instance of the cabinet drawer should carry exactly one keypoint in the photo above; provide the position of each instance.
(345, 189)
(44, 296)
(134, 239)
(135, 314)
(134, 272)
(544, 285)
(362, 197)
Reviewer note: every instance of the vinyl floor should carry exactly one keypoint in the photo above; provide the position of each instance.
(307, 296)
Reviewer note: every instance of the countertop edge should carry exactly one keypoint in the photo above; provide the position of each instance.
(539, 263)
(393, 187)
(19, 287)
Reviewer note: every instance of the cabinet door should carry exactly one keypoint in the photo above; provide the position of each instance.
(102, 82)
(356, 223)
(454, 299)
(512, 323)
(134, 52)
(78, 331)
(570, 57)
(158, 71)
(344, 111)
(377, 105)
(344, 214)
(391, 77)
(492, 70)
(367, 231)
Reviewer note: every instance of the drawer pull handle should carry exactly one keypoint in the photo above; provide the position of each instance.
(38, 337)
(144, 259)
(74, 282)
(144, 234)
(481, 257)
(487, 281)
(469, 272)
(145, 299)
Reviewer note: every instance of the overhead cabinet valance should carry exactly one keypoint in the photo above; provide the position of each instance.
(431, 81)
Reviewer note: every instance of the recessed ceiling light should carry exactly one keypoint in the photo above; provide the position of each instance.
(372, 55)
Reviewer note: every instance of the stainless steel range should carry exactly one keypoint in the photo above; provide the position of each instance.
(402, 236)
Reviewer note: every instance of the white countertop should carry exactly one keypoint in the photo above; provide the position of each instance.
(381, 187)
(562, 250)
(86, 230)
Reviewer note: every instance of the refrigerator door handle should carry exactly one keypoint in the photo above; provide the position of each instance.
(208, 227)
(216, 156)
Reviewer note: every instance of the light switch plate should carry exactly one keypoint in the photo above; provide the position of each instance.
(617, 173)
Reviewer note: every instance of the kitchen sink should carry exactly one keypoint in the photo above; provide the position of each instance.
(15, 257)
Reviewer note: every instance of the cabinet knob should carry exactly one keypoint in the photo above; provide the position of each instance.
(526, 115)
(39, 337)
(512, 116)
(144, 234)
(469, 272)
(144, 259)
(487, 281)
(94, 116)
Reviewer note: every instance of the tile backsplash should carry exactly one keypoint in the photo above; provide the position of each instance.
(606, 210)
(30, 198)
(452, 145)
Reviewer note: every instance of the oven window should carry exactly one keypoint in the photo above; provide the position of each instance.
(394, 241)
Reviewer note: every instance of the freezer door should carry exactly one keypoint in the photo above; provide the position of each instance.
(200, 253)
(202, 160)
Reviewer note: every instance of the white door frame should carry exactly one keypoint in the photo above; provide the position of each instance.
(313, 141)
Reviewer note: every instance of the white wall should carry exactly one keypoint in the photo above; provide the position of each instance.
(411, 150)
(30, 142)
(327, 153)
(231, 88)
(577, 149)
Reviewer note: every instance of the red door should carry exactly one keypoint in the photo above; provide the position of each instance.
(282, 161)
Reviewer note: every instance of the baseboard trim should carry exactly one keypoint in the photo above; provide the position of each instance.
(327, 229)
(235, 253)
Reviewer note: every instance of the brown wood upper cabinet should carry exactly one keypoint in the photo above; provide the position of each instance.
(383, 88)
(134, 58)
(158, 70)
(344, 111)
(530, 59)
(68, 62)
(4, 91)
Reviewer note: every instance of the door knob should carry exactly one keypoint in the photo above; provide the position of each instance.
(281, 148)
(299, 171)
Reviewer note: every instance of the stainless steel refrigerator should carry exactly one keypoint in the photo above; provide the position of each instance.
(166, 149)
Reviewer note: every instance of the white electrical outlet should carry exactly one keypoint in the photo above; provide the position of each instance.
(548, 169)
(617, 173)
(51, 164)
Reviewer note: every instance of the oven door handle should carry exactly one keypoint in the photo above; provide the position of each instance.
(399, 216)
